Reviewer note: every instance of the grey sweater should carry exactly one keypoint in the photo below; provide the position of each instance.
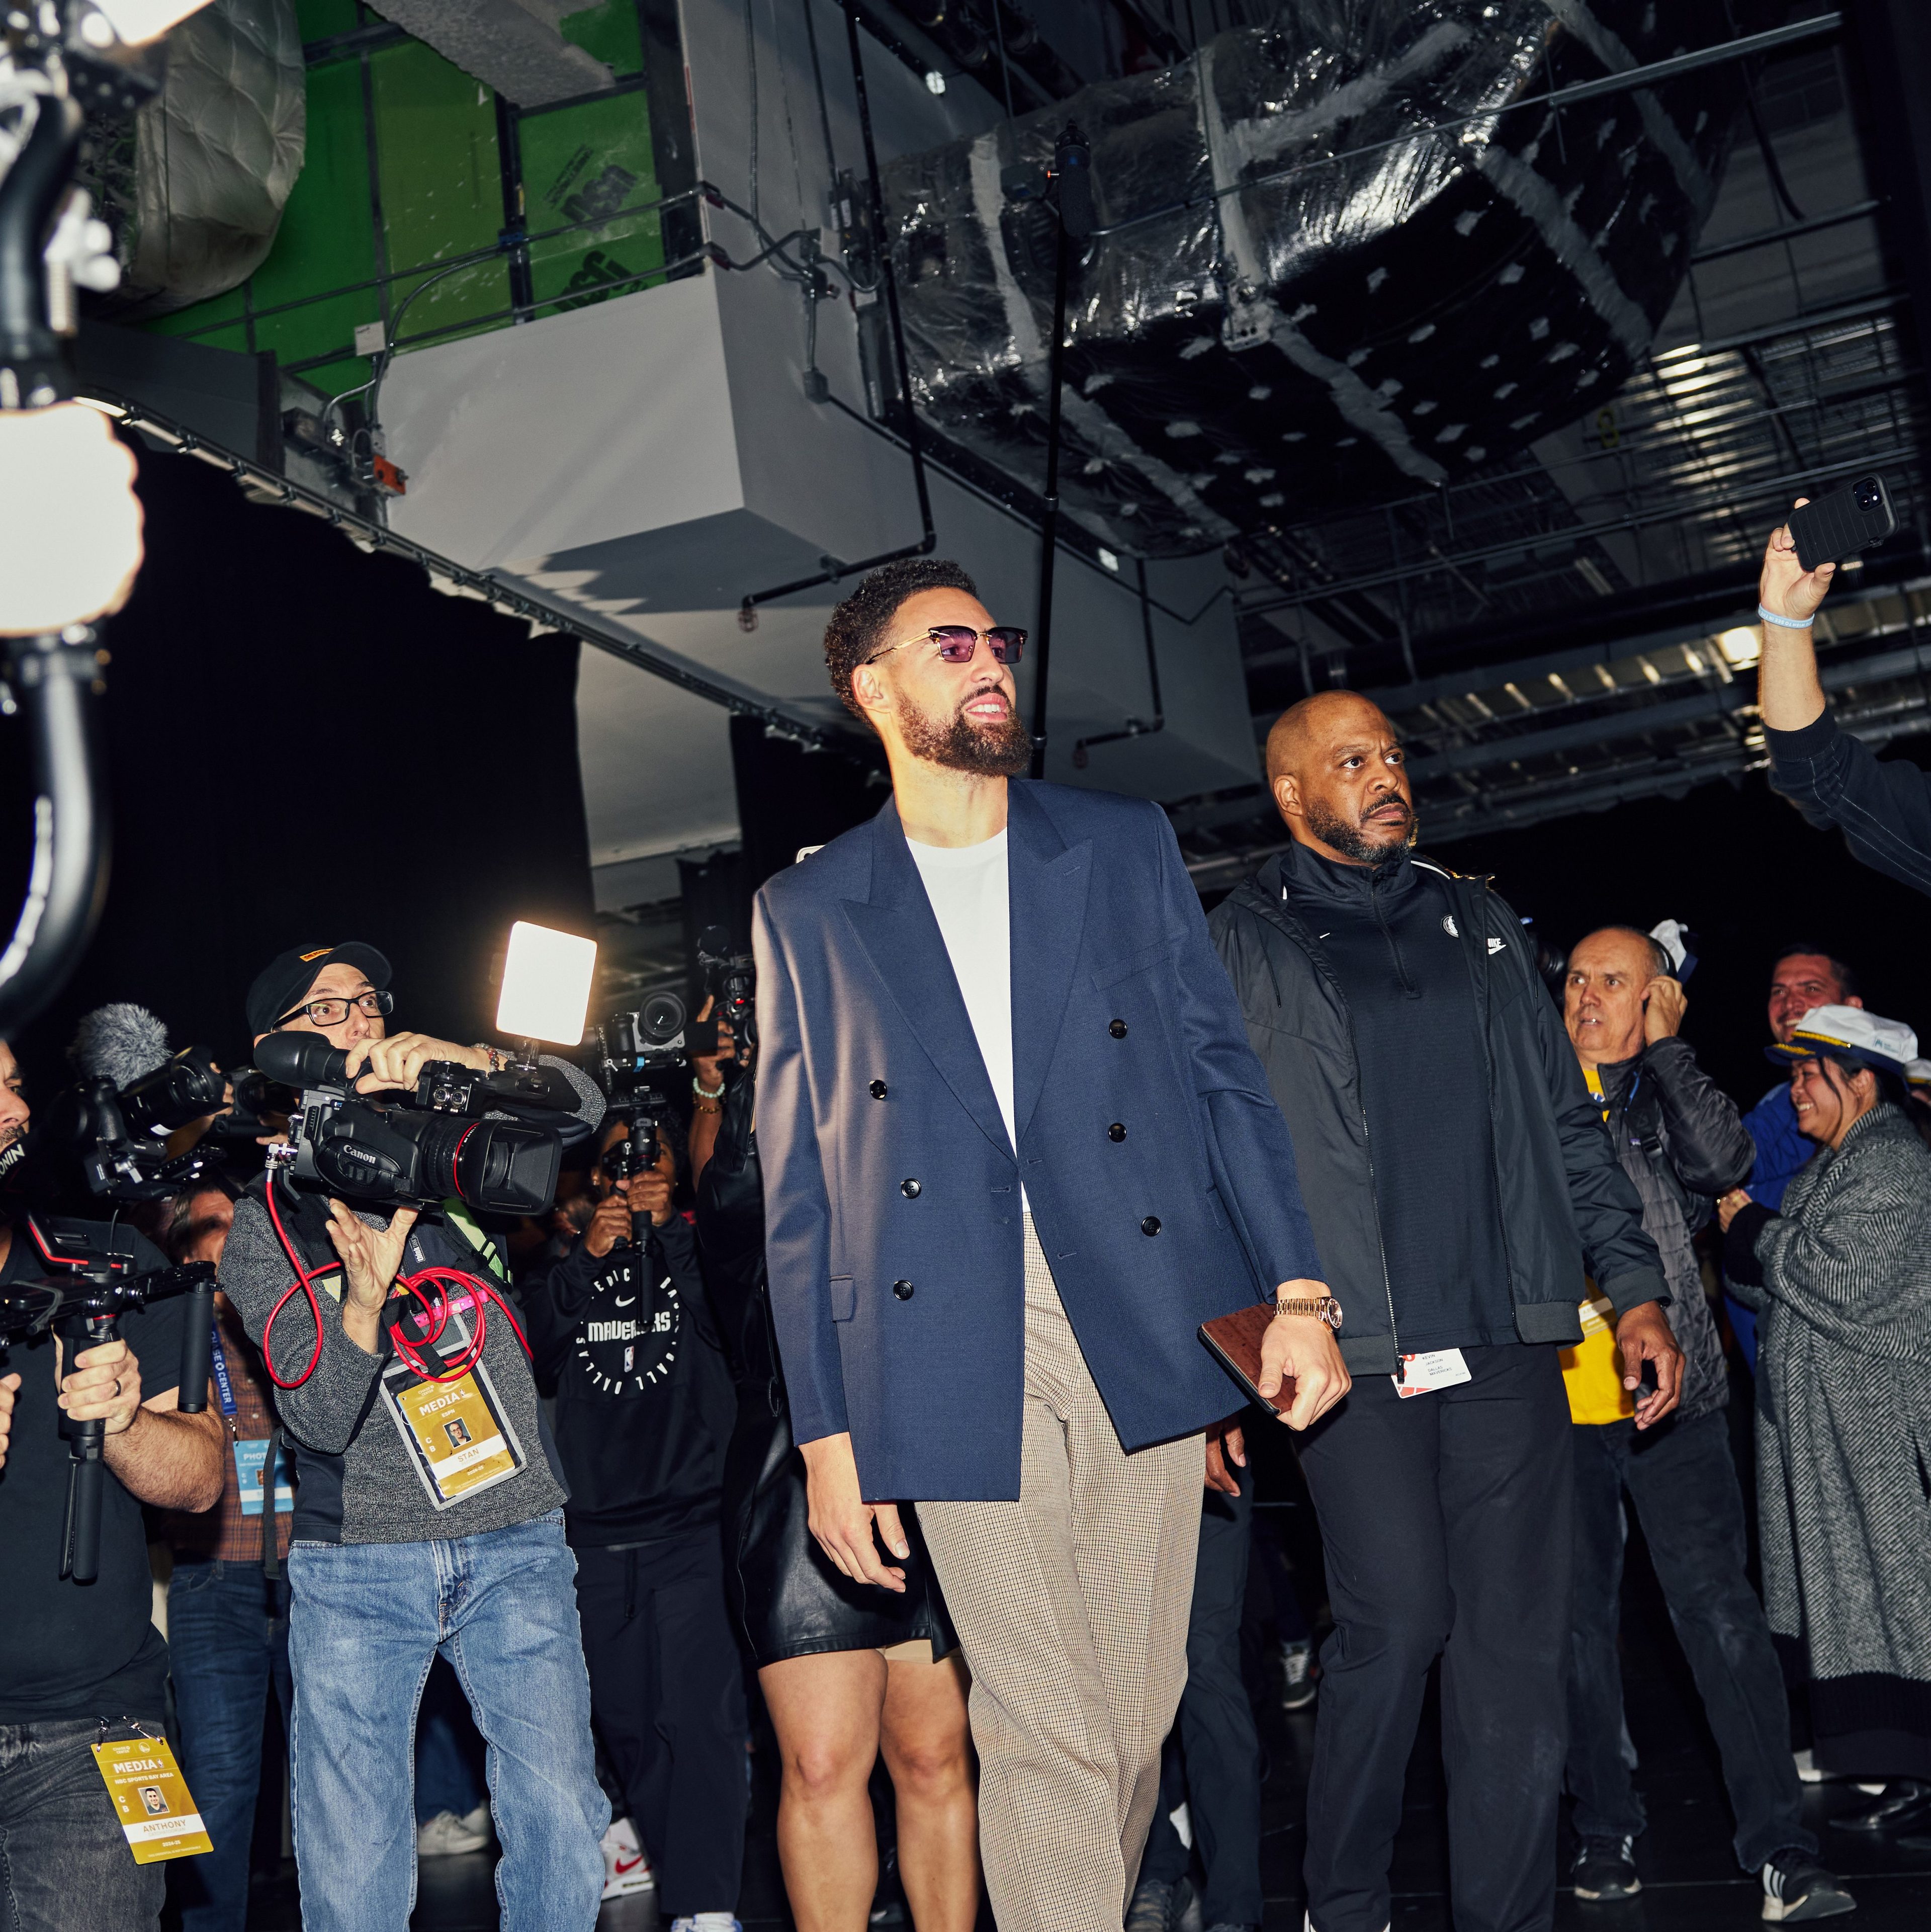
(356, 1482)
(356, 1479)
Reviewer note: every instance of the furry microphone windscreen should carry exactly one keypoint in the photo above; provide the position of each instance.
(119, 1042)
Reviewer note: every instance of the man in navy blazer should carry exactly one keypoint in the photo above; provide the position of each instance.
(1016, 1148)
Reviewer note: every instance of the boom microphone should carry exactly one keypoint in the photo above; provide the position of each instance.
(121, 1043)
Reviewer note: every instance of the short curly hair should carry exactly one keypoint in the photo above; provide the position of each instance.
(858, 626)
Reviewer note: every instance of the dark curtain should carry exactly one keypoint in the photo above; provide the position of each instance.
(307, 744)
(791, 797)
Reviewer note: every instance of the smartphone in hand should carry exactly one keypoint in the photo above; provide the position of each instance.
(1828, 529)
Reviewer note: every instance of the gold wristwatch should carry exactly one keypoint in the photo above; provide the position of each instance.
(1326, 1309)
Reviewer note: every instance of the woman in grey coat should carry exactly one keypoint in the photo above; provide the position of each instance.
(1842, 1278)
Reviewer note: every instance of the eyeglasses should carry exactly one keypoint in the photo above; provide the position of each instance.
(333, 1012)
(958, 643)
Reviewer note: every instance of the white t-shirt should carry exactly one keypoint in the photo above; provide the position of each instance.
(967, 886)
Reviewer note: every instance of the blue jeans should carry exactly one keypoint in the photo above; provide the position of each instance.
(65, 1864)
(228, 1646)
(367, 1620)
(448, 1752)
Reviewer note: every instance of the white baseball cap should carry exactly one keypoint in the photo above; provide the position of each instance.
(1850, 1033)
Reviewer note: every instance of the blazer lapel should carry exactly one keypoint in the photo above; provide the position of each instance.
(902, 940)
(1047, 880)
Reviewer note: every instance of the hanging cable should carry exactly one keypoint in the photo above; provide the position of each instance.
(750, 95)
(429, 1288)
(818, 81)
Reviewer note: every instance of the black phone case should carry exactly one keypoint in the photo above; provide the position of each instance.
(1833, 527)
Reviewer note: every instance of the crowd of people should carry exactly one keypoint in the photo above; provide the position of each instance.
(862, 1388)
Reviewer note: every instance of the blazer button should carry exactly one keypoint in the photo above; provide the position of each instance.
(911, 1190)
(1151, 1226)
(877, 1090)
(1117, 1132)
(903, 1289)
(1117, 1028)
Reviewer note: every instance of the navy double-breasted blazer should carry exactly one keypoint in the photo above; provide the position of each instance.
(1159, 1173)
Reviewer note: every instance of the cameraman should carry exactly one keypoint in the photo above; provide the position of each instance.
(81, 1664)
(383, 1575)
(644, 1409)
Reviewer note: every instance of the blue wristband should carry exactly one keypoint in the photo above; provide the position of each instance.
(1783, 623)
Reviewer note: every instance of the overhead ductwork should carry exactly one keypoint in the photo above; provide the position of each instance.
(198, 188)
(1341, 254)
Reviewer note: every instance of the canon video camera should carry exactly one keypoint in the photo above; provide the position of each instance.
(427, 1145)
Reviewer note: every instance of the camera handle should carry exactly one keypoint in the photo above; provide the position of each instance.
(80, 1539)
(197, 1351)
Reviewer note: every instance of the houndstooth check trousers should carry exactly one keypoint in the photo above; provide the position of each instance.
(1071, 1606)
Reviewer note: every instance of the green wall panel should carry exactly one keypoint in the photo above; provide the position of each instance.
(323, 20)
(579, 163)
(441, 186)
(205, 316)
(326, 241)
(611, 32)
(351, 251)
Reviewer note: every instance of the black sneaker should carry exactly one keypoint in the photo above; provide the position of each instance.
(1604, 1869)
(1903, 1805)
(1298, 1687)
(1795, 1886)
(1156, 1906)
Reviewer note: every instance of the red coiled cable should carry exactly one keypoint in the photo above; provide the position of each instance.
(435, 1318)
(303, 1280)
(435, 1315)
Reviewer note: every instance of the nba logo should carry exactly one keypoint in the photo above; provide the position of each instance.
(630, 1357)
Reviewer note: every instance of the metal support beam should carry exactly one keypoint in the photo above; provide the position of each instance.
(512, 599)
(1640, 721)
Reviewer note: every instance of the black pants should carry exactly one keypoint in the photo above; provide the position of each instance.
(1446, 1523)
(1219, 1745)
(1684, 1486)
(666, 1696)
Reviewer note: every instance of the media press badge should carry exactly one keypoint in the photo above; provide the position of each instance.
(1433, 1369)
(459, 1438)
(250, 1454)
(152, 1799)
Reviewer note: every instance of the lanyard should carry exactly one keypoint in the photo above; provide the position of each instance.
(217, 1360)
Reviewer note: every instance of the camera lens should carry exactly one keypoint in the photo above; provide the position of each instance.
(1867, 493)
(661, 1018)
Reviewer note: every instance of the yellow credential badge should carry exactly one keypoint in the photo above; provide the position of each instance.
(152, 1799)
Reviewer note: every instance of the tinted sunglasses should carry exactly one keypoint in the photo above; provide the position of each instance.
(958, 642)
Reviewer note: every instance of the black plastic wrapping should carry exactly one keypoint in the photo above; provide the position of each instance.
(1415, 270)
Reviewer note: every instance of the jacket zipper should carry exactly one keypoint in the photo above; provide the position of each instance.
(1479, 941)
(1380, 1247)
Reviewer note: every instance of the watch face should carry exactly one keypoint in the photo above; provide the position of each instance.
(627, 1341)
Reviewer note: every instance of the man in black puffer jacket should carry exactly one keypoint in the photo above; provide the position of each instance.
(1681, 1144)
(1457, 1174)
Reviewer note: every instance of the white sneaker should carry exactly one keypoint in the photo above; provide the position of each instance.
(626, 1869)
(447, 1836)
(707, 1922)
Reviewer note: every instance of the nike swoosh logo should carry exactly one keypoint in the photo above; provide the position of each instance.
(624, 1301)
(626, 1866)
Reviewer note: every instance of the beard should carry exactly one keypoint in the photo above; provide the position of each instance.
(1355, 840)
(989, 751)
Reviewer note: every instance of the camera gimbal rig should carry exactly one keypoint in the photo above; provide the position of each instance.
(86, 1288)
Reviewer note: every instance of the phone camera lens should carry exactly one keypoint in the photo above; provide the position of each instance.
(1868, 494)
